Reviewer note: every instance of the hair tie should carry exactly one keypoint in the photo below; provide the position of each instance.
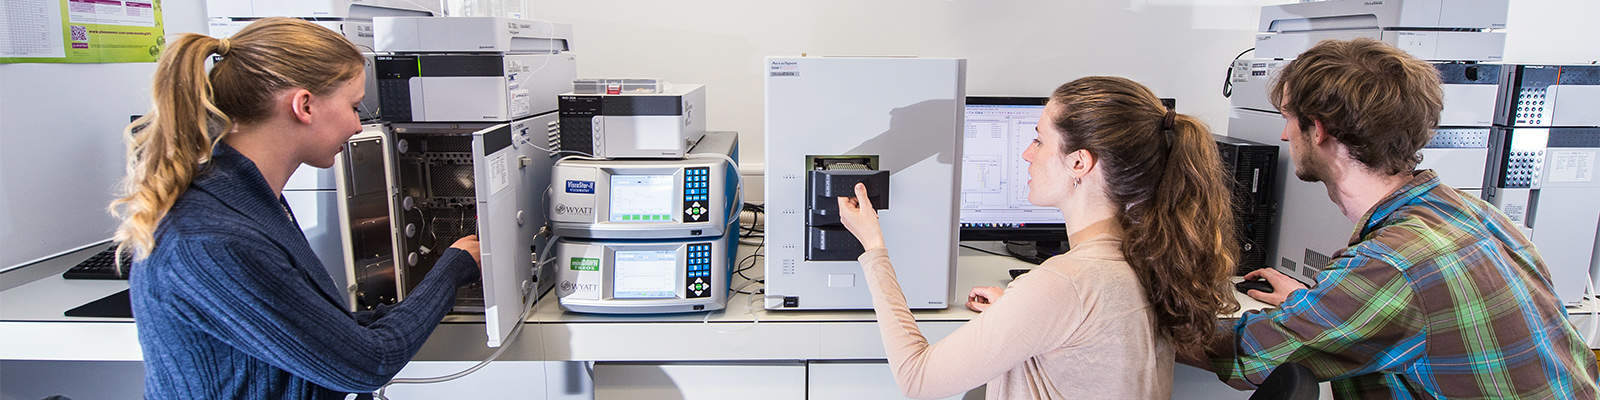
(1167, 121)
(223, 47)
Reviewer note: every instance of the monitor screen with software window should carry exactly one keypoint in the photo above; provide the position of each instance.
(994, 178)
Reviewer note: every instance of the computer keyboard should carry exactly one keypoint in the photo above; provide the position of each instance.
(101, 266)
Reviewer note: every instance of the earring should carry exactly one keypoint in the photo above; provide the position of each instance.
(1077, 181)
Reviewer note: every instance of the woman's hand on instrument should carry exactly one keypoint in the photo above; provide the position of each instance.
(469, 244)
(861, 219)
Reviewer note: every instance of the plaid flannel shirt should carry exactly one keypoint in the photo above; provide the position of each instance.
(1437, 296)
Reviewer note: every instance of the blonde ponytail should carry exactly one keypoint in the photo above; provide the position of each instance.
(192, 109)
(166, 145)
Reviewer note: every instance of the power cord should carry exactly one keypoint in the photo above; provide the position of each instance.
(747, 263)
(754, 257)
(1227, 79)
(750, 305)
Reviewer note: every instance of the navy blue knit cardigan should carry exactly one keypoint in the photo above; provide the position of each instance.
(232, 303)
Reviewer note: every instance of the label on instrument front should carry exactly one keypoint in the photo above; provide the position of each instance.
(499, 174)
(584, 264)
(1571, 166)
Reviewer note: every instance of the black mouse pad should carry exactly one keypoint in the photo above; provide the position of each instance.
(114, 306)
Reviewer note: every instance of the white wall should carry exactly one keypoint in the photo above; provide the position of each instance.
(61, 151)
(1180, 48)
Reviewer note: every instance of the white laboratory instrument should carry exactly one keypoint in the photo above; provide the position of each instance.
(351, 18)
(690, 197)
(1547, 140)
(313, 194)
(471, 34)
(1388, 14)
(631, 124)
(1423, 44)
(1443, 30)
(646, 276)
(470, 87)
(411, 193)
(471, 69)
(894, 124)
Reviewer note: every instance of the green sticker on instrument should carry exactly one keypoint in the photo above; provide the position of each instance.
(585, 264)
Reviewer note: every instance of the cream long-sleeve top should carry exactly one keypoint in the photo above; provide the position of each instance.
(1076, 327)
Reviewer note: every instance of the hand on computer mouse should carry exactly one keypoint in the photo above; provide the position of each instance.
(1282, 286)
(981, 297)
(1258, 285)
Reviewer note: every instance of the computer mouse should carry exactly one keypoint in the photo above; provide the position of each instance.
(1016, 272)
(1259, 284)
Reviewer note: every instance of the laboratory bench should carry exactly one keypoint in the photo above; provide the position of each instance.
(808, 353)
(32, 320)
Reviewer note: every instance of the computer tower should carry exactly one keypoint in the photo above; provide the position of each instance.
(1251, 169)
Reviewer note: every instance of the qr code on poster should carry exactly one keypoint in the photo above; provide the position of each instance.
(80, 33)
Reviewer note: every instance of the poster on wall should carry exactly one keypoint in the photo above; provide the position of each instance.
(80, 31)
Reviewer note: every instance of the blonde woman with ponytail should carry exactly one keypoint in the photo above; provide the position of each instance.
(1150, 226)
(229, 300)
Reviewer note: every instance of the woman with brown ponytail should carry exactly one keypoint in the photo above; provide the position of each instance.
(1150, 227)
(228, 298)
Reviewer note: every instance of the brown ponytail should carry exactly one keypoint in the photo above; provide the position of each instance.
(1171, 198)
(191, 110)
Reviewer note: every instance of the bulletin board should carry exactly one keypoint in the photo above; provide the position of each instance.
(80, 31)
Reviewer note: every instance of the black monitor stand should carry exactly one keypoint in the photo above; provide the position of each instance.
(1037, 251)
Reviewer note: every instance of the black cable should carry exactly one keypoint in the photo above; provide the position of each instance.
(741, 266)
(1227, 79)
(986, 251)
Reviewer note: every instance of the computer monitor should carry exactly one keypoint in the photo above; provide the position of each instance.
(994, 178)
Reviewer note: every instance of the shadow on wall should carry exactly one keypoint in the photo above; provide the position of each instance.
(907, 141)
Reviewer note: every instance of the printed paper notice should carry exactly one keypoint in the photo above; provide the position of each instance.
(81, 31)
(33, 29)
(499, 174)
(1571, 166)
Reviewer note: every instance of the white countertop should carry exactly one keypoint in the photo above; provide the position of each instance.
(33, 326)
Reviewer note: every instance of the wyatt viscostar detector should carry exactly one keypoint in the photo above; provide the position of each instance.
(647, 235)
(638, 277)
(648, 198)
